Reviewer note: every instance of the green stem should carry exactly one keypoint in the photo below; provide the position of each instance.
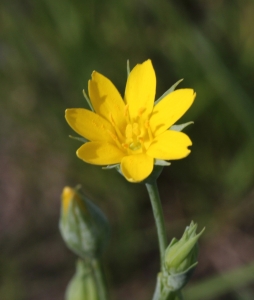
(100, 279)
(162, 237)
(161, 293)
(180, 295)
(159, 219)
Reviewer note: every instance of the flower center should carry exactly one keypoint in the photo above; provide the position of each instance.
(137, 135)
(133, 136)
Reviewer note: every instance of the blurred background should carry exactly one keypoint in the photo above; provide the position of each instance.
(48, 50)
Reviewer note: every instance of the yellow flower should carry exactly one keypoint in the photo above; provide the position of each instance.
(134, 132)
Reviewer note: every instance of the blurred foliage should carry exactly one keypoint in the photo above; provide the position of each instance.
(48, 50)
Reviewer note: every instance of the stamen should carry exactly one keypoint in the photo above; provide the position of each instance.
(126, 110)
(135, 129)
(114, 138)
(143, 147)
(118, 132)
(112, 120)
(137, 133)
(126, 113)
(128, 131)
(141, 110)
(150, 134)
(125, 146)
(147, 124)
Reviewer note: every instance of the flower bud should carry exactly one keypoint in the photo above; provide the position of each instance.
(82, 285)
(83, 226)
(181, 258)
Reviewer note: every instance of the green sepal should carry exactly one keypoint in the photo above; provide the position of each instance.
(109, 167)
(88, 100)
(160, 162)
(175, 282)
(78, 138)
(170, 90)
(128, 68)
(173, 241)
(180, 127)
(163, 292)
(180, 254)
(157, 169)
(179, 262)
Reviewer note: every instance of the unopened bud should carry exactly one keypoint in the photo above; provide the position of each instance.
(181, 258)
(83, 226)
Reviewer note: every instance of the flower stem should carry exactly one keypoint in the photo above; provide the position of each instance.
(180, 295)
(159, 218)
(100, 279)
(162, 237)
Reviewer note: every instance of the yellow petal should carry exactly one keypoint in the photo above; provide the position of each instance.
(170, 145)
(170, 109)
(100, 153)
(106, 100)
(140, 89)
(88, 124)
(136, 168)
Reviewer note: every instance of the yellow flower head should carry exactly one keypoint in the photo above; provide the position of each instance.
(134, 132)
